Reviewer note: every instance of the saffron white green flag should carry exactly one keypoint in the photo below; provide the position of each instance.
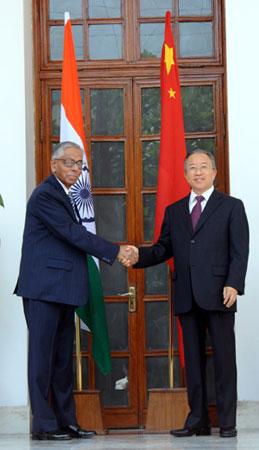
(72, 129)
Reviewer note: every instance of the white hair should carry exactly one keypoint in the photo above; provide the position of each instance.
(60, 148)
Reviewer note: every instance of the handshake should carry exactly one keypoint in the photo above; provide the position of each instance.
(128, 255)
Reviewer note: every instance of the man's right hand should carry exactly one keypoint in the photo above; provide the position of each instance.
(128, 255)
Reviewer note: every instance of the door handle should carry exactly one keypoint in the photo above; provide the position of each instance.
(132, 298)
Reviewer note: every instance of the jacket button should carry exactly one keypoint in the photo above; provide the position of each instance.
(192, 241)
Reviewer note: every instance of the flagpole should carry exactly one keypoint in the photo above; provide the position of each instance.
(78, 356)
(72, 129)
(171, 184)
(170, 340)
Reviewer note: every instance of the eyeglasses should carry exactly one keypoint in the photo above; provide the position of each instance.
(203, 168)
(68, 162)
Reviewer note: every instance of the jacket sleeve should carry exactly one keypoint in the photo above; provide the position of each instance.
(53, 214)
(159, 252)
(238, 248)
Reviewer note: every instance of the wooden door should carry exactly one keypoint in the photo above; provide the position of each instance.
(122, 119)
(118, 48)
(121, 165)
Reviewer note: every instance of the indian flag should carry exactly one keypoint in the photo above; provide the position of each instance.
(72, 129)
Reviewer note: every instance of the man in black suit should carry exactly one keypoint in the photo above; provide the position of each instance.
(207, 234)
(53, 281)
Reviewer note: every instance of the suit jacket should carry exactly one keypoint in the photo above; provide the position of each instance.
(53, 263)
(207, 259)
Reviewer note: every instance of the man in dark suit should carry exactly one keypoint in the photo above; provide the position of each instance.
(207, 234)
(53, 281)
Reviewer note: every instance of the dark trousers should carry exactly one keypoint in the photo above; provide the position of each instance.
(220, 326)
(50, 364)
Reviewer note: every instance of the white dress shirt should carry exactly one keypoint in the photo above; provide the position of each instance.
(68, 192)
(206, 195)
(62, 184)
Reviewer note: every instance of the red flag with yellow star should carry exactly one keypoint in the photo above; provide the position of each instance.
(171, 181)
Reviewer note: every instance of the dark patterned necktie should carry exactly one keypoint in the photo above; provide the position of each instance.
(73, 203)
(196, 211)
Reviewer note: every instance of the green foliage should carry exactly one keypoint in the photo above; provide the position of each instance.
(146, 54)
(198, 108)
(150, 155)
(1, 201)
(156, 280)
(107, 112)
(149, 208)
(202, 143)
(150, 111)
(108, 164)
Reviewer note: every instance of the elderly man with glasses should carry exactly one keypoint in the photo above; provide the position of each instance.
(207, 234)
(53, 281)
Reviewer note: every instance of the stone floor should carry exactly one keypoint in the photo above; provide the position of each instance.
(246, 440)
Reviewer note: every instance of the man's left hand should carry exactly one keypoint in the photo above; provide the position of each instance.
(230, 296)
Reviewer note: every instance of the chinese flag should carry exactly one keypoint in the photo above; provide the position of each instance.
(171, 181)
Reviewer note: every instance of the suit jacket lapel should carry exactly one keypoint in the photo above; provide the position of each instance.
(214, 202)
(184, 205)
(53, 181)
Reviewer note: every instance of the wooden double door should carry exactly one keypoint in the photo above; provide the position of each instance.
(118, 47)
(122, 122)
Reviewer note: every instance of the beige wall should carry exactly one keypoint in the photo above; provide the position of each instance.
(16, 131)
(243, 119)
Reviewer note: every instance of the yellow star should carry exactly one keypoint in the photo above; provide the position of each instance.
(171, 93)
(169, 58)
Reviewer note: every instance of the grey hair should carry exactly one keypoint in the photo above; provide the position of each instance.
(204, 152)
(60, 148)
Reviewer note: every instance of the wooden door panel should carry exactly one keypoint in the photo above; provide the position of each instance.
(122, 121)
(107, 109)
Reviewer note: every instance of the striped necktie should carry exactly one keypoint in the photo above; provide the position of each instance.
(196, 211)
(73, 203)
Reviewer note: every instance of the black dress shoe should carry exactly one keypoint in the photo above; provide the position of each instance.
(56, 435)
(75, 431)
(185, 432)
(227, 432)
